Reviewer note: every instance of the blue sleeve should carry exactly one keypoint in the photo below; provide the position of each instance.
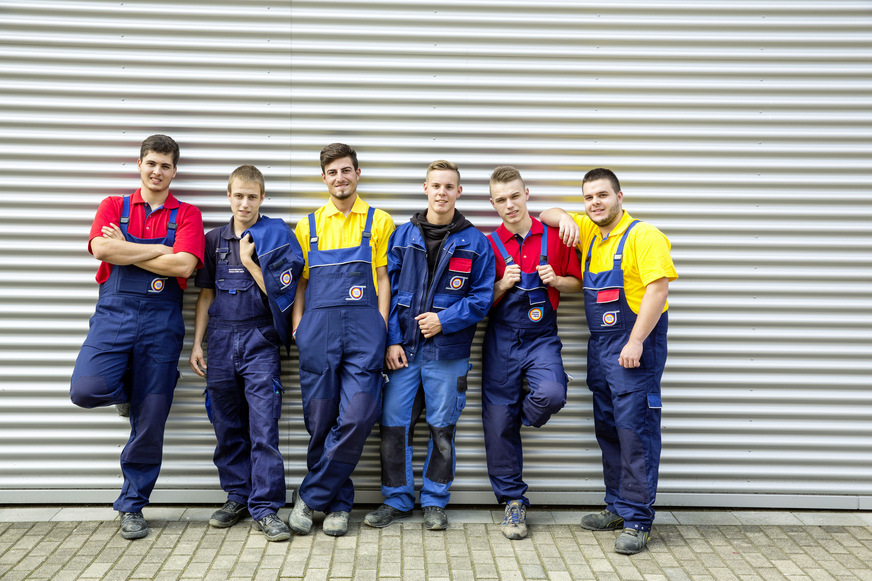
(475, 305)
(395, 265)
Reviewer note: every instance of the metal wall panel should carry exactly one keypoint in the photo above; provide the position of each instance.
(741, 129)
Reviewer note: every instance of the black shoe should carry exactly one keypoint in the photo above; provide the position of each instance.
(228, 515)
(602, 521)
(435, 518)
(123, 410)
(385, 515)
(273, 528)
(133, 525)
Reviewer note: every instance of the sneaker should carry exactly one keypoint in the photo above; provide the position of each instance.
(133, 526)
(631, 541)
(336, 523)
(602, 521)
(515, 523)
(385, 515)
(435, 518)
(300, 519)
(123, 410)
(273, 528)
(228, 515)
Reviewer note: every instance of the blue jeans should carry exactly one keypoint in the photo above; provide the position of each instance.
(441, 387)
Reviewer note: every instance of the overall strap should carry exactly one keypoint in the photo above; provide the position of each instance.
(313, 233)
(616, 265)
(171, 227)
(125, 214)
(503, 252)
(619, 253)
(365, 235)
(543, 253)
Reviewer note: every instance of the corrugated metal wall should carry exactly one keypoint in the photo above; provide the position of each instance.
(741, 129)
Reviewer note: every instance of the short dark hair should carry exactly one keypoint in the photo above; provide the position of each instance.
(160, 144)
(248, 174)
(602, 173)
(336, 151)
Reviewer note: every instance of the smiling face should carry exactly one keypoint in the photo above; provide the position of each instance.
(245, 200)
(156, 171)
(341, 178)
(602, 204)
(509, 199)
(442, 188)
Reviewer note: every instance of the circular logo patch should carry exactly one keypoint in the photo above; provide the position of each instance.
(610, 318)
(535, 314)
(157, 285)
(355, 292)
(457, 282)
(287, 278)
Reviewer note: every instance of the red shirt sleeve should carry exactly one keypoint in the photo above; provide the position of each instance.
(108, 212)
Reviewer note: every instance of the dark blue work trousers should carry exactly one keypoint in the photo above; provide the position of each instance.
(244, 387)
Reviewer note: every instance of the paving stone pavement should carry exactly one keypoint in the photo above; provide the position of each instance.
(65, 544)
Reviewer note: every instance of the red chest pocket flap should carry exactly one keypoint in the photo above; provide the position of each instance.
(608, 295)
(458, 264)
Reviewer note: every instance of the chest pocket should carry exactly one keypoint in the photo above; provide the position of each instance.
(233, 286)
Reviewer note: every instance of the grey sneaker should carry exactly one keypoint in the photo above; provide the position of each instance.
(123, 410)
(515, 522)
(385, 515)
(133, 526)
(602, 521)
(435, 518)
(631, 541)
(228, 515)
(273, 528)
(300, 519)
(336, 523)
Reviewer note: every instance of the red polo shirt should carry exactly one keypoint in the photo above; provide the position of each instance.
(189, 227)
(561, 258)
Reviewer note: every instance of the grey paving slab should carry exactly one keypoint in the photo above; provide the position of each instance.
(705, 518)
(77, 513)
(830, 518)
(27, 514)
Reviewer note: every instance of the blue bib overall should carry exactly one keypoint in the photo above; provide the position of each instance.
(243, 381)
(131, 354)
(521, 341)
(341, 341)
(626, 402)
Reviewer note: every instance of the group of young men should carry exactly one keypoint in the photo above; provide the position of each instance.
(384, 320)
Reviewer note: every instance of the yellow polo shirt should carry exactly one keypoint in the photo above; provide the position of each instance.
(335, 230)
(646, 255)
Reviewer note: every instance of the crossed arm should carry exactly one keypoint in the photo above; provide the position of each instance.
(157, 258)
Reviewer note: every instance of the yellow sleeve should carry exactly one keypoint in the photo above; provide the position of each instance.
(302, 234)
(652, 252)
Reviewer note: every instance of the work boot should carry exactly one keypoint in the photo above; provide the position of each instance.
(631, 541)
(336, 523)
(385, 515)
(228, 515)
(515, 522)
(435, 518)
(300, 519)
(602, 521)
(273, 528)
(123, 410)
(133, 526)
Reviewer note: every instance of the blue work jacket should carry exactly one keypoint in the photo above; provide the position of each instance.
(461, 292)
